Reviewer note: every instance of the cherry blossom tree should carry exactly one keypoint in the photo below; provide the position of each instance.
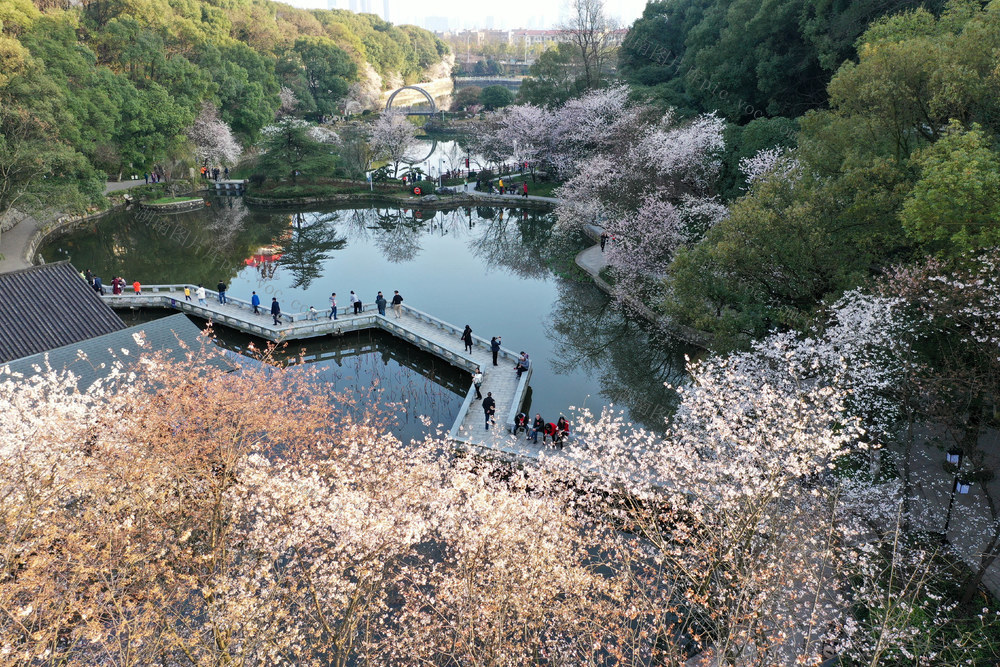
(648, 182)
(156, 517)
(393, 138)
(287, 101)
(365, 92)
(767, 161)
(213, 140)
(777, 557)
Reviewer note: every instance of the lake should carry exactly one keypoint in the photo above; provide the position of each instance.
(504, 272)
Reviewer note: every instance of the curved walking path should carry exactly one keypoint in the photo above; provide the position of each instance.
(15, 242)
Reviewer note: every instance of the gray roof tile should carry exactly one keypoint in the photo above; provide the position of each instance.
(49, 306)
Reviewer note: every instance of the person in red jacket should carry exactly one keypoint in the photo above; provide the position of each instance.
(549, 432)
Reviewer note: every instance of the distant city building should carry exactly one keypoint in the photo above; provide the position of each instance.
(520, 37)
(490, 22)
(385, 9)
(354, 6)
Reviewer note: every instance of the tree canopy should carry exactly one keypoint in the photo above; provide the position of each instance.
(115, 86)
(747, 58)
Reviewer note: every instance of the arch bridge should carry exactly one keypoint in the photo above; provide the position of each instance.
(430, 100)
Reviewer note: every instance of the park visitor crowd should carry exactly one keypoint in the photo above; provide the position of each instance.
(557, 432)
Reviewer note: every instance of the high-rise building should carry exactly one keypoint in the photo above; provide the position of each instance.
(332, 4)
(385, 9)
(354, 6)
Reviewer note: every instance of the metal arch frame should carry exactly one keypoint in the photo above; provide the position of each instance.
(388, 102)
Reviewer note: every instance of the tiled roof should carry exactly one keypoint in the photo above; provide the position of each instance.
(92, 359)
(48, 306)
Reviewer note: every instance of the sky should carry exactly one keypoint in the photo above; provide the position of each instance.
(461, 14)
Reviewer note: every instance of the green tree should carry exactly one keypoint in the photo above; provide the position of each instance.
(327, 69)
(495, 97)
(290, 151)
(39, 171)
(746, 58)
(466, 97)
(554, 77)
(955, 205)
(915, 73)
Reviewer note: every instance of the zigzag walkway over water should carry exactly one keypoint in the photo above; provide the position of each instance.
(413, 326)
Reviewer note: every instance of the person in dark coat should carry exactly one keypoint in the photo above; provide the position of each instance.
(604, 240)
(467, 338)
(489, 408)
(275, 310)
(221, 287)
(397, 304)
(495, 348)
(537, 426)
(380, 302)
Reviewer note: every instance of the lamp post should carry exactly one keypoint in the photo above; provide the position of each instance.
(959, 486)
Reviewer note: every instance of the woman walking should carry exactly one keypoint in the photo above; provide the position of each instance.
(467, 338)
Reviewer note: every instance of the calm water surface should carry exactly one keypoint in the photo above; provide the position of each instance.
(486, 267)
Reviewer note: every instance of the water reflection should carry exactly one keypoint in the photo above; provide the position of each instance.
(632, 360)
(307, 246)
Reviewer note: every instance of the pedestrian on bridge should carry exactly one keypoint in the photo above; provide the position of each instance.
(380, 302)
(525, 190)
(523, 364)
(397, 304)
(255, 302)
(537, 426)
(187, 293)
(495, 348)
(521, 423)
(467, 338)
(489, 408)
(200, 293)
(604, 240)
(356, 302)
(137, 286)
(333, 307)
(477, 382)
(562, 432)
(275, 310)
(222, 292)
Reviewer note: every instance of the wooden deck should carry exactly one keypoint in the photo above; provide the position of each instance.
(430, 334)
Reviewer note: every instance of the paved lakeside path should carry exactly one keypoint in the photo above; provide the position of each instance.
(14, 242)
